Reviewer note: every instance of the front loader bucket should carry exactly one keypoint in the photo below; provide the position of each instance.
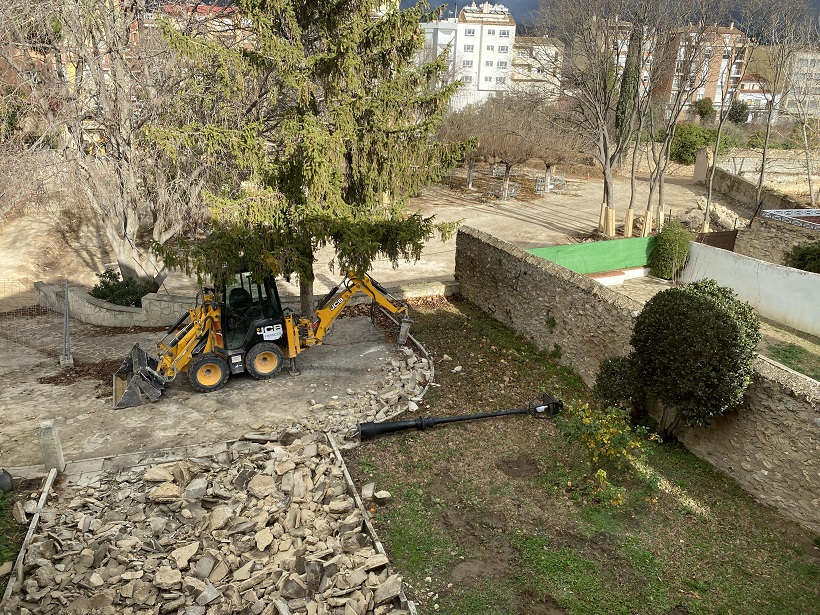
(136, 376)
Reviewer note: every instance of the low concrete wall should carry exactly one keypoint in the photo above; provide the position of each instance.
(158, 310)
(162, 310)
(783, 294)
(768, 240)
(771, 446)
(552, 306)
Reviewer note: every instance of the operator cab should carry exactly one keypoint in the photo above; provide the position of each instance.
(252, 313)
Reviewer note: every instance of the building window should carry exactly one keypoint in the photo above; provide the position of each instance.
(467, 78)
(488, 79)
(490, 48)
(488, 63)
(468, 49)
(467, 63)
(503, 49)
(491, 32)
(522, 53)
(504, 33)
(469, 32)
(501, 80)
(502, 65)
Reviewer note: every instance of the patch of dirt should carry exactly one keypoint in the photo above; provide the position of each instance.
(541, 606)
(102, 372)
(520, 467)
(474, 571)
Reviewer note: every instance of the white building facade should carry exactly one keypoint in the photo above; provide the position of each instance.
(481, 39)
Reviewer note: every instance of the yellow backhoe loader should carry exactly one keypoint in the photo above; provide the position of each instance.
(241, 327)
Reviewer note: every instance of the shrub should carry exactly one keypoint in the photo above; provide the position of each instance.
(671, 250)
(695, 349)
(688, 139)
(120, 292)
(731, 137)
(615, 383)
(738, 112)
(704, 108)
(609, 441)
(805, 256)
(756, 139)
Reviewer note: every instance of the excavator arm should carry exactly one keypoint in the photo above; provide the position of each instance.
(304, 332)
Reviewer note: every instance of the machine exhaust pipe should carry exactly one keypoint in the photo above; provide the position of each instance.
(547, 408)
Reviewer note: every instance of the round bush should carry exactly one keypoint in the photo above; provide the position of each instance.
(695, 349)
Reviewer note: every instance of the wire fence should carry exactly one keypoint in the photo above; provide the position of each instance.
(24, 325)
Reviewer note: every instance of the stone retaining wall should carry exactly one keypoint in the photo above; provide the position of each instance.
(767, 240)
(557, 309)
(771, 446)
(745, 191)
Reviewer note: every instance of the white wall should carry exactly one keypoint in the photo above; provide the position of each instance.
(778, 293)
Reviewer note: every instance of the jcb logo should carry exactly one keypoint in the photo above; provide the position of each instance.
(336, 303)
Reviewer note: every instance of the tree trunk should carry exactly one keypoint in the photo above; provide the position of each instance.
(306, 294)
(470, 165)
(808, 163)
(762, 177)
(505, 186)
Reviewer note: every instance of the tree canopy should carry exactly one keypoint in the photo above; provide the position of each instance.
(329, 120)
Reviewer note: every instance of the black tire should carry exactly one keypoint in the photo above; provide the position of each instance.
(264, 360)
(208, 372)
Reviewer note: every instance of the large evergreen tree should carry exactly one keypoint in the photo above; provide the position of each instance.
(329, 119)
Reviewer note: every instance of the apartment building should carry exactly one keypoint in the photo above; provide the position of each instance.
(536, 66)
(710, 62)
(802, 91)
(481, 39)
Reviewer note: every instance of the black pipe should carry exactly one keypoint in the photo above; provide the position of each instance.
(548, 408)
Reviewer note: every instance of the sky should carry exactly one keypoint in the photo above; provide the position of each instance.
(521, 10)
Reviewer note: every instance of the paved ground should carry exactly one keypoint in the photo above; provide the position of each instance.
(353, 359)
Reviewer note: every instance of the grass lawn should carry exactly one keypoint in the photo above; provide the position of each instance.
(11, 535)
(496, 516)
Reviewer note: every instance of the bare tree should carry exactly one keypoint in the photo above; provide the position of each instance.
(803, 96)
(504, 138)
(464, 125)
(683, 61)
(753, 19)
(94, 76)
(594, 37)
(783, 35)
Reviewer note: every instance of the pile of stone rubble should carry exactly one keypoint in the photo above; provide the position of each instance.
(267, 529)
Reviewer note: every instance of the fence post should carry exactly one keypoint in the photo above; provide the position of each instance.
(66, 360)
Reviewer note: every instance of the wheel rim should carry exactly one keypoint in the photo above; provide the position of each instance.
(265, 362)
(209, 374)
